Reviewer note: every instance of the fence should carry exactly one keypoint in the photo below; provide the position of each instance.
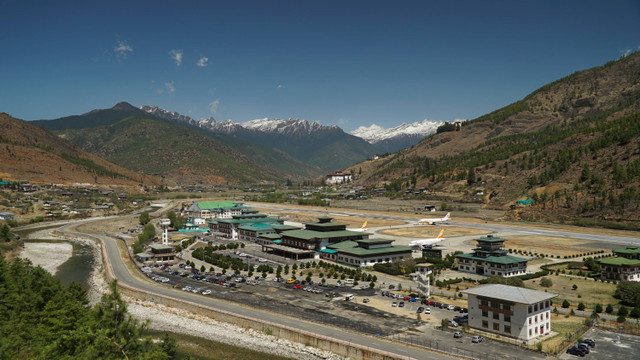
(445, 348)
(570, 339)
(628, 328)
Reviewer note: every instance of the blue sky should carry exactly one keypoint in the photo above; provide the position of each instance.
(348, 63)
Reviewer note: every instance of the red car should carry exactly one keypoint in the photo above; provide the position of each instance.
(297, 286)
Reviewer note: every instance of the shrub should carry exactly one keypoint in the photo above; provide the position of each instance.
(581, 306)
(546, 282)
(565, 304)
(609, 309)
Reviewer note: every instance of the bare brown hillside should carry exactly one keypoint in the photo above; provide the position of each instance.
(572, 145)
(28, 152)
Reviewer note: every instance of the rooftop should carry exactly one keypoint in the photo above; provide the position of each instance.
(351, 247)
(310, 234)
(628, 250)
(619, 261)
(507, 259)
(210, 205)
(510, 293)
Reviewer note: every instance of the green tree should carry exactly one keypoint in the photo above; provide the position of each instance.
(623, 311)
(581, 306)
(565, 304)
(598, 308)
(471, 176)
(546, 282)
(609, 309)
(144, 218)
(628, 292)
(635, 313)
(5, 233)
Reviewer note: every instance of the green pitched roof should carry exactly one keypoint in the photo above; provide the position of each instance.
(352, 248)
(210, 205)
(507, 259)
(619, 261)
(375, 241)
(628, 250)
(490, 239)
(310, 234)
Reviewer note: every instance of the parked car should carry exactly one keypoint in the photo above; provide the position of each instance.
(420, 310)
(391, 287)
(423, 302)
(590, 342)
(575, 350)
(401, 304)
(291, 281)
(457, 334)
(436, 304)
(453, 323)
(206, 292)
(297, 286)
(464, 310)
(477, 339)
(365, 300)
(457, 308)
(427, 310)
(394, 304)
(450, 307)
(584, 346)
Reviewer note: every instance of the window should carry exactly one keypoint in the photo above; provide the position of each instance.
(496, 315)
(507, 317)
(536, 318)
(485, 324)
(485, 313)
(529, 321)
(496, 326)
(535, 307)
(507, 329)
(530, 332)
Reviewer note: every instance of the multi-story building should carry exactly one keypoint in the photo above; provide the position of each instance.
(490, 258)
(365, 252)
(624, 266)
(338, 177)
(215, 209)
(510, 311)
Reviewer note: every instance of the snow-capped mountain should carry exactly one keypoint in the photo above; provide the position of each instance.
(398, 137)
(327, 147)
(174, 116)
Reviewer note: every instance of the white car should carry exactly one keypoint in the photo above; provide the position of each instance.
(262, 260)
(427, 310)
(206, 292)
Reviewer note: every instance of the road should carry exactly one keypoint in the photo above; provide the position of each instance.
(123, 275)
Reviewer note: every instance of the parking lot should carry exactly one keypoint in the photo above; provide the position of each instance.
(324, 304)
(610, 346)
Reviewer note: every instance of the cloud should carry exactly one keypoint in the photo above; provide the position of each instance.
(176, 55)
(170, 87)
(280, 86)
(625, 52)
(203, 61)
(213, 106)
(123, 49)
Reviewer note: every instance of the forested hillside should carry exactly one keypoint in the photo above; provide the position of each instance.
(41, 319)
(572, 146)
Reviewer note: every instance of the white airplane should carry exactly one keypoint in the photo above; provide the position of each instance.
(422, 242)
(434, 221)
(362, 228)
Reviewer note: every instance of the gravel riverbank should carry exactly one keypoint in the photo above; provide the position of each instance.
(169, 319)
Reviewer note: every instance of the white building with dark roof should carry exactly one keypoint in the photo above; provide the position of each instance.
(510, 311)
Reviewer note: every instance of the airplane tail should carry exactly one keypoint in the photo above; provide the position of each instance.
(441, 236)
(364, 226)
(447, 217)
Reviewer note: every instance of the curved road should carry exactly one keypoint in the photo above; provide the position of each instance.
(121, 272)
